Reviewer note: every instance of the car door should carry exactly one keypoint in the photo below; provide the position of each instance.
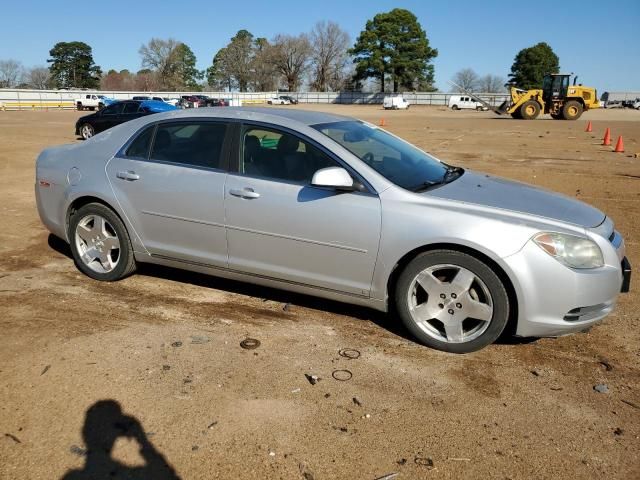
(170, 183)
(130, 111)
(279, 226)
(108, 117)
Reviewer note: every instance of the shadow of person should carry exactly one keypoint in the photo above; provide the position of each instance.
(103, 425)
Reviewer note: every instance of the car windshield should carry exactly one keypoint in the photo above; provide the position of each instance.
(396, 160)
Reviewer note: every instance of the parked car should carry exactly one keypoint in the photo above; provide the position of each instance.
(170, 101)
(332, 206)
(217, 102)
(292, 100)
(92, 101)
(460, 102)
(278, 101)
(395, 102)
(117, 113)
(191, 101)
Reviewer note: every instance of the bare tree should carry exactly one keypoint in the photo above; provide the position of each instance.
(238, 59)
(466, 79)
(160, 56)
(264, 73)
(39, 77)
(491, 84)
(10, 73)
(329, 44)
(291, 58)
(147, 81)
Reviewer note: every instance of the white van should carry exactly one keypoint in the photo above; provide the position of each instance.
(395, 103)
(458, 102)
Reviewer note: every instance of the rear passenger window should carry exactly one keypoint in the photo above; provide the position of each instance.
(139, 148)
(131, 107)
(197, 144)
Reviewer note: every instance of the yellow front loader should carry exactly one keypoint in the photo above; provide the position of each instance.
(557, 98)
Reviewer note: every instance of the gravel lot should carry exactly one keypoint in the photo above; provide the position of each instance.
(164, 345)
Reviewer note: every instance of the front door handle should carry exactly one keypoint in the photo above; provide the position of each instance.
(244, 193)
(128, 175)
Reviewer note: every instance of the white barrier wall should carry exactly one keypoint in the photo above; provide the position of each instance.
(13, 99)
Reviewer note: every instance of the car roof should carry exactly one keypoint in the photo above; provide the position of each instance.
(266, 114)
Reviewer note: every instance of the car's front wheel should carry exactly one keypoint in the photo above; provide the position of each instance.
(452, 301)
(87, 131)
(100, 244)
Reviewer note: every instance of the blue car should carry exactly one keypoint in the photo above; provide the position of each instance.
(117, 113)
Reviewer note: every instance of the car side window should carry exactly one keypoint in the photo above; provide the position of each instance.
(131, 107)
(139, 148)
(112, 109)
(280, 155)
(196, 144)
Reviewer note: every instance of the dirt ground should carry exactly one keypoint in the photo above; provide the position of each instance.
(163, 346)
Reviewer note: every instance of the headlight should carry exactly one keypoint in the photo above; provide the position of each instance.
(572, 251)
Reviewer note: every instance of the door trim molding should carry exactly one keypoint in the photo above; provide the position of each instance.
(299, 239)
(184, 219)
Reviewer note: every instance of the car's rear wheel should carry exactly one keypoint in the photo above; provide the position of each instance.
(100, 244)
(455, 107)
(452, 301)
(87, 131)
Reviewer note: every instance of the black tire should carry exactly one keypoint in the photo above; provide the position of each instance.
(79, 106)
(572, 110)
(529, 110)
(478, 109)
(87, 131)
(497, 290)
(126, 263)
(455, 107)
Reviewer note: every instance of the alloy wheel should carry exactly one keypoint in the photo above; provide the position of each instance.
(87, 132)
(450, 303)
(97, 243)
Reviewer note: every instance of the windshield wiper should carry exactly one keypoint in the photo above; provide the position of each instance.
(452, 173)
(424, 186)
(449, 176)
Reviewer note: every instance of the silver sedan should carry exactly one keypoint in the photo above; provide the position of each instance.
(335, 207)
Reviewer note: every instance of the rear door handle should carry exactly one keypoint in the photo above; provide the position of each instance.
(128, 175)
(244, 193)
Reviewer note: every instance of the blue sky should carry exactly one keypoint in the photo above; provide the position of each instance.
(599, 40)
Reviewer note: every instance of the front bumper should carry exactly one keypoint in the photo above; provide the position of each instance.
(554, 300)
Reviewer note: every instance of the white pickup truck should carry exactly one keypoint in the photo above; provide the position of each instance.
(92, 101)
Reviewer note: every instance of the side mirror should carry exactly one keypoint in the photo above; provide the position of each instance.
(333, 177)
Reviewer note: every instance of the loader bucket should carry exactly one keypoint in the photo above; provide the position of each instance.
(502, 109)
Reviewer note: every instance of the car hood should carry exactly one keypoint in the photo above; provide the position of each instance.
(496, 192)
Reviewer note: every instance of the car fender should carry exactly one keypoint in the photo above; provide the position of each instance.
(412, 223)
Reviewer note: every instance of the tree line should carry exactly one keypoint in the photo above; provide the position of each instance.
(392, 53)
(529, 68)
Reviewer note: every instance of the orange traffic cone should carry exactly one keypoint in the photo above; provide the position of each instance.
(382, 124)
(588, 129)
(607, 137)
(619, 145)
